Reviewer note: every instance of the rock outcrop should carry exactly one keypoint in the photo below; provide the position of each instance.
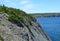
(28, 32)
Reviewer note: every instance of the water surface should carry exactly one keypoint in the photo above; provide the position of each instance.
(51, 26)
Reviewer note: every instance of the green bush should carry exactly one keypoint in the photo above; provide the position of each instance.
(15, 14)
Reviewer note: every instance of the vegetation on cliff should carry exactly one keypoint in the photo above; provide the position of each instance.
(26, 28)
(15, 15)
(1, 38)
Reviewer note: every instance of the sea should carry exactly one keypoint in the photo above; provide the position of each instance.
(51, 26)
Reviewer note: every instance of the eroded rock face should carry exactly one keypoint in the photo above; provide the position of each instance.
(12, 32)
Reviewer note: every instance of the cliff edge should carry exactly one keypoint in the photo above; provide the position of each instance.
(20, 27)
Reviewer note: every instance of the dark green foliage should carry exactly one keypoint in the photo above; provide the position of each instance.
(16, 14)
(1, 8)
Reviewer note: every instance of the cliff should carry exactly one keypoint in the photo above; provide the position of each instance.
(16, 25)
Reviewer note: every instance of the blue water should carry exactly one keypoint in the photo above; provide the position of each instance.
(51, 26)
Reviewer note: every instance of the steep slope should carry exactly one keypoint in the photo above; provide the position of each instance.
(20, 27)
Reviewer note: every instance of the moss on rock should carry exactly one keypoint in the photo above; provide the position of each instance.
(1, 39)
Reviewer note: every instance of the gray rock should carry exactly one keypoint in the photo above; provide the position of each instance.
(12, 32)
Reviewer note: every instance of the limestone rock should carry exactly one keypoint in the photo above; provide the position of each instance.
(12, 32)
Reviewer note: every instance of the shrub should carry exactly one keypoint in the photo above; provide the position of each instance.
(15, 14)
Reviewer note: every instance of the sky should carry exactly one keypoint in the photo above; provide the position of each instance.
(34, 6)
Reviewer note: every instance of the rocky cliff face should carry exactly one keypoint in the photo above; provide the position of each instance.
(10, 31)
